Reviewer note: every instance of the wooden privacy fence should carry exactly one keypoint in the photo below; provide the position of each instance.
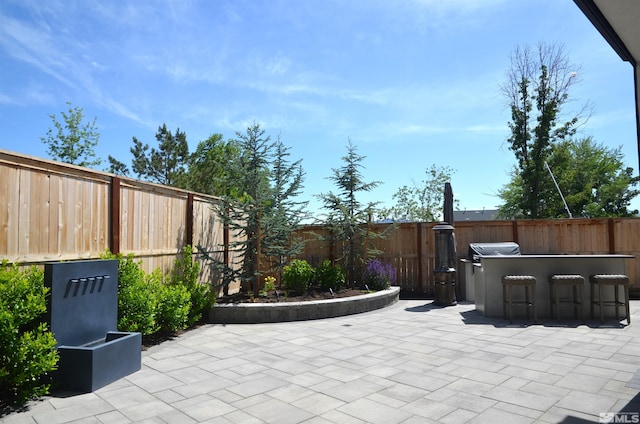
(410, 247)
(51, 211)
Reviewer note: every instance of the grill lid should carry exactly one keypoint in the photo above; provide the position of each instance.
(476, 250)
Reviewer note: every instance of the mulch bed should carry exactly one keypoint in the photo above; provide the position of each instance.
(271, 297)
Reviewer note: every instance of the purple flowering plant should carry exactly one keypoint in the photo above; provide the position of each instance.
(379, 275)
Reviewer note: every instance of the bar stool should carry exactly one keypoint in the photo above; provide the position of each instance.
(613, 280)
(576, 281)
(526, 281)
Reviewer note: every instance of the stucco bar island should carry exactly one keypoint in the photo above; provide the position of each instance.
(486, 277)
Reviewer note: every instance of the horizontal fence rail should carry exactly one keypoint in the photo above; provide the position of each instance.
(52, 211)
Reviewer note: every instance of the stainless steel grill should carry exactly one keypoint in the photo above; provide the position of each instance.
(476, 250)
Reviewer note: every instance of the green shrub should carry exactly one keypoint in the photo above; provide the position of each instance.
(137, 301)
(185, 269)
(185, 272)
(202, 300)
(137, 308)
(330, 276)
(147, 304)
(27, 348)
(297, 275)
(173, 306)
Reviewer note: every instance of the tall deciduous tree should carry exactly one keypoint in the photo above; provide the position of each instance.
(72, 140)
(537, 87)
(421, 202)
(348, 217)
(165, 165)
(591, 177)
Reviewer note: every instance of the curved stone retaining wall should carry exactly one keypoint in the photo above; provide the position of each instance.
(253, 313)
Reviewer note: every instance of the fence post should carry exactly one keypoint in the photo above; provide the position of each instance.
(514, 225)
(188, 239)
(114, 218)
(423, 286)
(225, 247)
(332, 252)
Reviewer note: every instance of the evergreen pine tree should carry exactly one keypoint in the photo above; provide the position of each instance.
(166, 165)
(348, 219)
(284, 214)
(265, 215)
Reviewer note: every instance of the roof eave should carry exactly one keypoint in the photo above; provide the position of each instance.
(600, 22)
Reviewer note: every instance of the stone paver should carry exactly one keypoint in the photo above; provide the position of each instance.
(408, 363)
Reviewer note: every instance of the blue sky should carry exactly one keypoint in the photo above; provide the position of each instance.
(412, 83)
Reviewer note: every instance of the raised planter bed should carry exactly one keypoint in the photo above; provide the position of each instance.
(253, 313)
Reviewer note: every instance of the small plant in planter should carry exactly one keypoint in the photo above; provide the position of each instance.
(297, 275)
(269, 285)
(379, 275)
(330, 276)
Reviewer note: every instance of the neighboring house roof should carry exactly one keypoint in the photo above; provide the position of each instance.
(475, 215)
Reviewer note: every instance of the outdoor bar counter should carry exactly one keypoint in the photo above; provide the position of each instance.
(487, 280)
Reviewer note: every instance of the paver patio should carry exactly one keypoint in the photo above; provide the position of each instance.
(408, 363)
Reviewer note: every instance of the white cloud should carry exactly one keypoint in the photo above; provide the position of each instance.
(97, 66)
(33, 46)
(39, 94)
(375, 97)
(485, 128)
(4, 99)
(416, 129)
(119, 109)
(278, 65)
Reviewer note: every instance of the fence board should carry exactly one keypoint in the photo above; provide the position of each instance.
(8, 215)
(24, 213)
(53, 242)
